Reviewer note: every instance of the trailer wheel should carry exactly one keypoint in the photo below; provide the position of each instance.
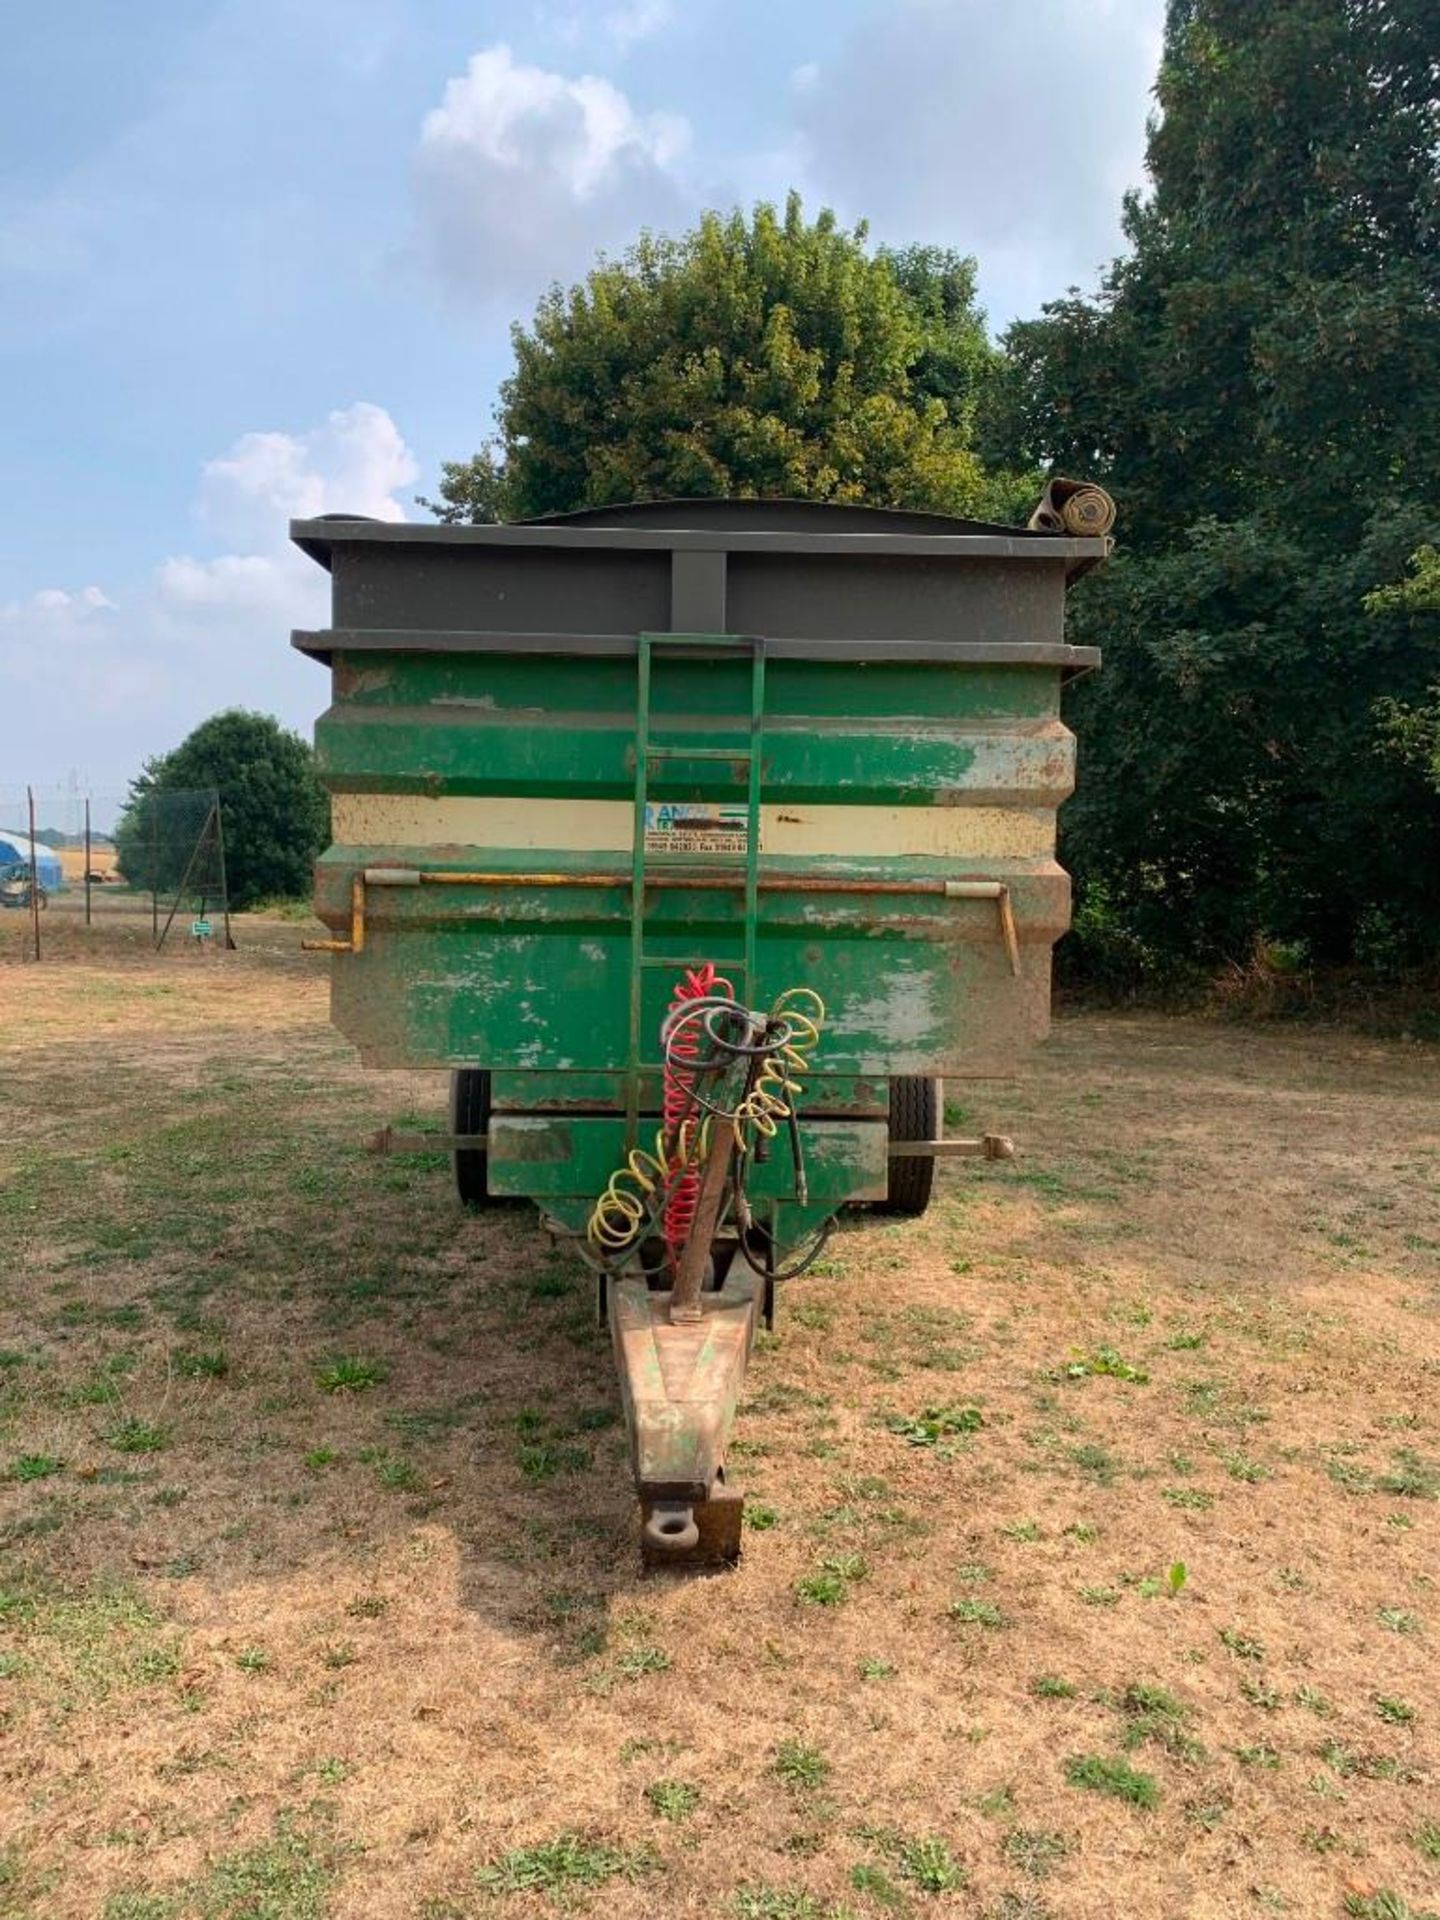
(915, 1110)
(470, 1113)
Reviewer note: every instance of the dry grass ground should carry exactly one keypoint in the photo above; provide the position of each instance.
(319, 1590)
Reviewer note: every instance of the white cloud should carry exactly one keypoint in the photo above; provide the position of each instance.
(578, 22)
(636, 20)
(232, 581)
(523, 174)
(102, 679)
(56, 599)
(1008, 131)
(355, 463)
(66, 667)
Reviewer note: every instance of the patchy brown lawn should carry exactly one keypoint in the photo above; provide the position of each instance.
(320, 1591)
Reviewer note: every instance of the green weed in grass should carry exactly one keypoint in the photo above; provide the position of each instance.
(1050, 1686)
(801, 1768)
(136, 1436)
(1398, 1713)
(545, 1459)
(1153, 1714)
(927, 1863)
(934, 1425)
(1244, 1646)
(351, 1373)
(1314, 1702)
(976, 1613)
(874, 1669)
(253, 1660)
(781, 1903)
(1385, 1905)
(1101, 1774)
(1426, 1838)
(34, 1466)
(394, 1473)
(1207, 1815)
(1398, 1619)
(876, 1885)
(1010, 1905)
(1191, 1499)
(760, 1518)
(830, 1584)
(1023, 1530)
(672, 1799)
(212, 1364)
(1096, 1462)
(1034, 1850)
(1412, 1478)
(1103, 1362)
(285, 1878)
(567, 1864)
(813, 1314)
(636, 1662)
(1240, 1467)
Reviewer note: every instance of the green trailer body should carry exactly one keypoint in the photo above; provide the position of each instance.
(812, 745)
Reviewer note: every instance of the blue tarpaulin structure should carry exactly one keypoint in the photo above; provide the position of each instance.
(15, 852)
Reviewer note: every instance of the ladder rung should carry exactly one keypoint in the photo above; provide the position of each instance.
(677, 960)
(720, 642)
(739, 755)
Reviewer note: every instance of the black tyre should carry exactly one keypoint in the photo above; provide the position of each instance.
(470, 1113)
(915, 1112)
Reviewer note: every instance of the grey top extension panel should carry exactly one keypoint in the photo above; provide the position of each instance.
(817, 581)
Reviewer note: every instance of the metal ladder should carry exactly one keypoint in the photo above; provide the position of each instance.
(746, 877)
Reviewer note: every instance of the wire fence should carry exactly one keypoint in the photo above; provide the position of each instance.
(69, 851)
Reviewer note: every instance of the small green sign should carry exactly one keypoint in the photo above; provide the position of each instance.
(200, 929)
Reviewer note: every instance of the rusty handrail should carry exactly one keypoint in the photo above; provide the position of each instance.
(996, 890)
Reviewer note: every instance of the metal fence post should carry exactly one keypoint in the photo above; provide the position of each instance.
(34, 873)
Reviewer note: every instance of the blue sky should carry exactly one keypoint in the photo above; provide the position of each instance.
(261, 256)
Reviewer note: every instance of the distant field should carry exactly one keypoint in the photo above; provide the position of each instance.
(1093, 1559)
(72, 864)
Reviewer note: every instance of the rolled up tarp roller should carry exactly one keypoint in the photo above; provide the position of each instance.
(1076, 507)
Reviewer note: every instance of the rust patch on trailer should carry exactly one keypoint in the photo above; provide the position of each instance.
(349, 681)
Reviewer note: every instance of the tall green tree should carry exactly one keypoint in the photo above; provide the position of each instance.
(1258, 382)
(754, 356)
(276, 816)
(1414, 729)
